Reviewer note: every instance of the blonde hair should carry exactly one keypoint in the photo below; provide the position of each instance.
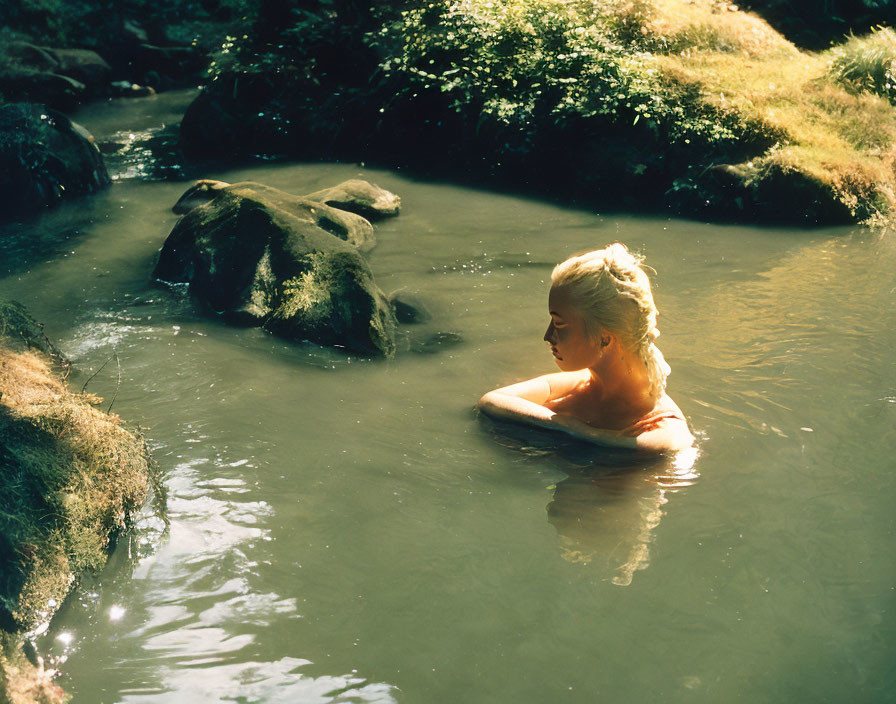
(612, 291)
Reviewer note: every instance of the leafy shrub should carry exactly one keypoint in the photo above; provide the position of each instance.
(530, 62)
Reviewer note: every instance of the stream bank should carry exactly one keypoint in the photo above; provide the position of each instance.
(72, 479)
(693, 108)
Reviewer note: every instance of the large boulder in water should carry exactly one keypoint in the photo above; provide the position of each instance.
(85, 66)
(44, 157)
(353, 196)
(263, 257)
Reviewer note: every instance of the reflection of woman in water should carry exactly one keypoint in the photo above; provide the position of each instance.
(606, 515)
(612, 387)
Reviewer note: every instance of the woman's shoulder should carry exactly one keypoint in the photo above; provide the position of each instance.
(563, 383)
(664, 427)
(665, 405)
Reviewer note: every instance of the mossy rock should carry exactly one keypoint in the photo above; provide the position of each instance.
(360, 197)
(262, 257)
(71, 477)
(85, 66)
(23, 678)
(44, 158)
(52, 89)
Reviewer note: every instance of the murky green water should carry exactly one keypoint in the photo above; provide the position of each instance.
(346, 530)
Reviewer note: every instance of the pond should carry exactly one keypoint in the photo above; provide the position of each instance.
(348, 530)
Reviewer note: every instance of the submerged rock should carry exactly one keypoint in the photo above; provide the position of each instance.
(409, 308)
(436, 342)
(291, 265)
(44, 158)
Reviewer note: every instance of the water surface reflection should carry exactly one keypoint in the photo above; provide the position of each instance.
(606, 510)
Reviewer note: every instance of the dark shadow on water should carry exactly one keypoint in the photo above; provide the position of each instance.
(607, 508)
(47, 235)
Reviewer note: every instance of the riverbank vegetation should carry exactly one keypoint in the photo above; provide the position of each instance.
(72, 476)
(696, 107)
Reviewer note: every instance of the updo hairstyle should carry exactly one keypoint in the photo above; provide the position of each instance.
(612, 291)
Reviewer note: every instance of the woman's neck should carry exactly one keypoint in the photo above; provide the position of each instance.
(622, 379)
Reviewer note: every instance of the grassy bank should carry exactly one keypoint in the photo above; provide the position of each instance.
(72, 476)
(692, 106)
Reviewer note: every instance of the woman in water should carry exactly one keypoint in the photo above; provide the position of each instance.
(612, 387)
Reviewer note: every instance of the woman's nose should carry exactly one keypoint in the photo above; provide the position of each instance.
(549, 333)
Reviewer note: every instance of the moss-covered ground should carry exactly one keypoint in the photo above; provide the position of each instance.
(71, 476)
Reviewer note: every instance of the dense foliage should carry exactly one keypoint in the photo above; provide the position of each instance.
(523, 63)
(695, 104)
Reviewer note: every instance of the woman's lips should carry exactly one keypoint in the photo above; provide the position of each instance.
(554, 352)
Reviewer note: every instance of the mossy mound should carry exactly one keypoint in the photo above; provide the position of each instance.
(629, 102)
(70, 478)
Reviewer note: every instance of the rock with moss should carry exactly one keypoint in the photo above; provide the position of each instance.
(360, 197)
(72, 477)
(23, 678)
(44, 158)
(263, 257)
(85, 66)
(353, 196)
(59, 78)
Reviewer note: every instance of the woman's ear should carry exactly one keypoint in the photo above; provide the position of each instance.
(605, 340)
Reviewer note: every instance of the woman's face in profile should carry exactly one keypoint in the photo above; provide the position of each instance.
(573, 348)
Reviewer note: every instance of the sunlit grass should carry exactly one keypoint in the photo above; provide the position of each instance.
(73, 476)
(837, 133)
(867, 63)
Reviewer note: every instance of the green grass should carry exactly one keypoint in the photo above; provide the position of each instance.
(867, 63)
